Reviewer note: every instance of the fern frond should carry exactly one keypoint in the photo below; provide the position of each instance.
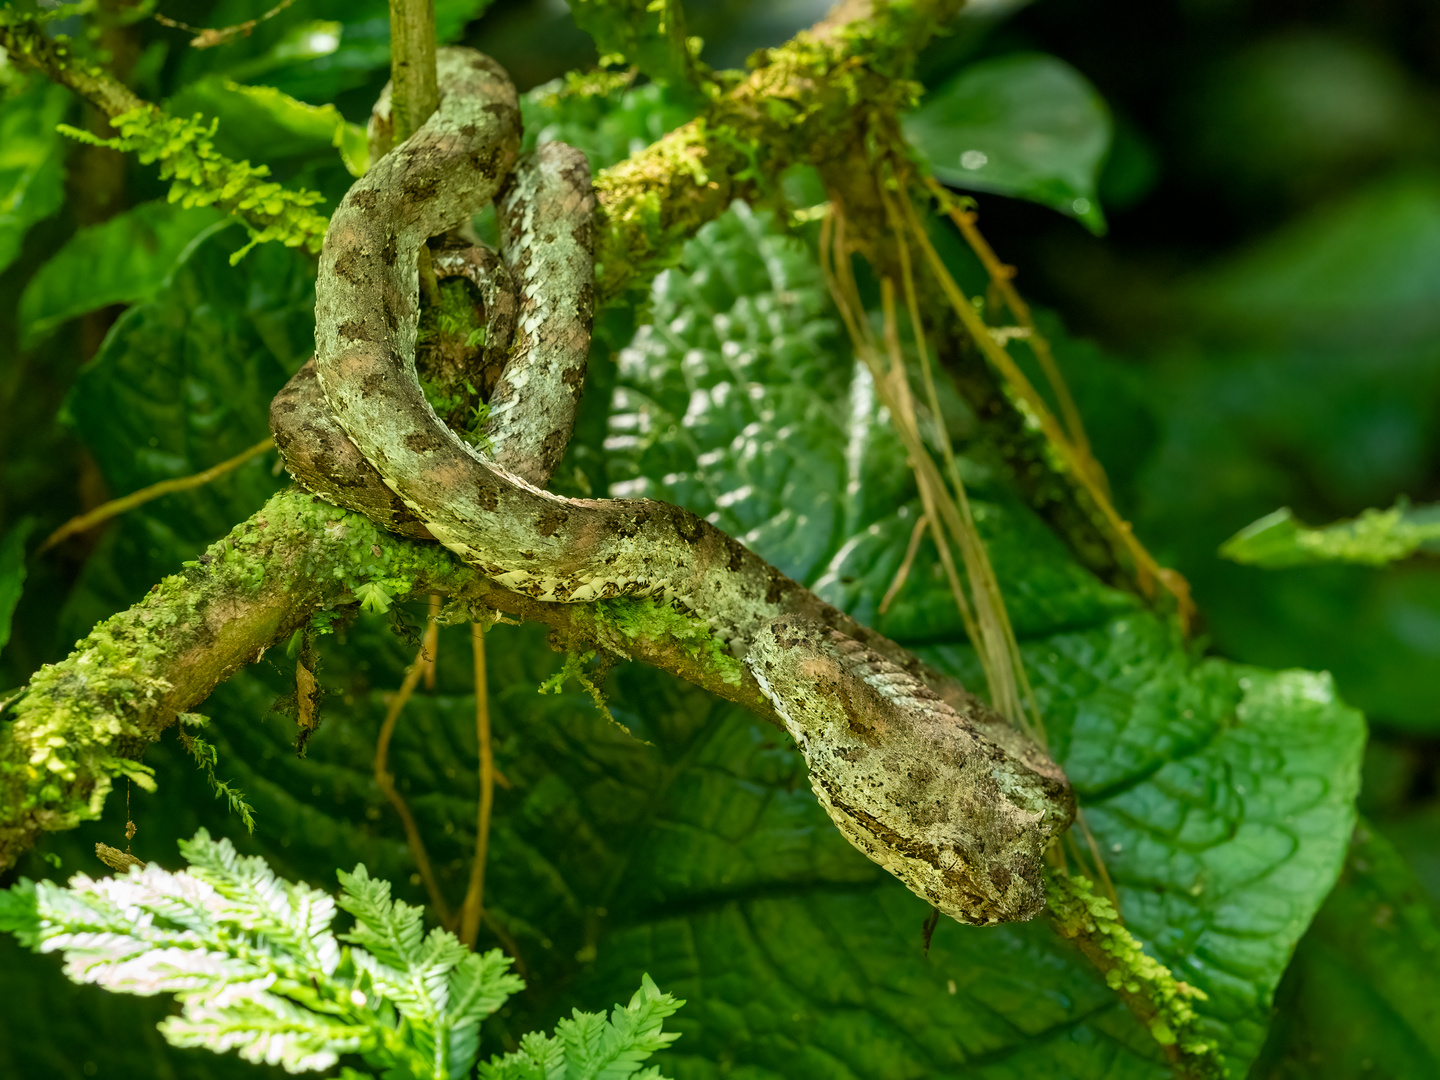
(291, 915)
(253, 963)
(591, 1047)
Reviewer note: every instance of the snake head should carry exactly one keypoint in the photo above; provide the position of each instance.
(957, 810)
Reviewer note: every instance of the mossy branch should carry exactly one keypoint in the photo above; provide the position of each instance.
(81, 722)
(803, 101)
(1159, 1001)
(809, 100)
(184, 149)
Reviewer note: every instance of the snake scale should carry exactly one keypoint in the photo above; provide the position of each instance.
(932, 786)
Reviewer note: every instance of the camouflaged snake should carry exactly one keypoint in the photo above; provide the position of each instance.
(951, 800)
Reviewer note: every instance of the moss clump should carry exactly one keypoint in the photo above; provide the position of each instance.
(1161, 1001)
(657, 621)
(202, 176)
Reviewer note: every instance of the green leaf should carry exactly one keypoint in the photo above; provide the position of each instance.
(122, 261)
(1355, 274)
(12, 573)
(1362, 996)
(1375, 538)
(181, 383)
(31, 161)
(649, 34)
(1027, 125)
(590, 1045)
(262, 123)
(1220, 794)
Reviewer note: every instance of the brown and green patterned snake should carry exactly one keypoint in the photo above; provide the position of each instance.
(915, 773)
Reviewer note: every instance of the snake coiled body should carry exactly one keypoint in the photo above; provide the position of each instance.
(958, 806)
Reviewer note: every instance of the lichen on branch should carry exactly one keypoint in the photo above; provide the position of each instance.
(83, 721)
(809, 100)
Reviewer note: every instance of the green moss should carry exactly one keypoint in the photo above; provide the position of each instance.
(1079, 912)
(79, 721)
(657, 621)
(202, 176)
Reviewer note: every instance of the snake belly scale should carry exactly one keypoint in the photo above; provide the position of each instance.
(952, 801)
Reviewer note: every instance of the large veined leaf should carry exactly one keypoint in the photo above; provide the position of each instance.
(31, 162)
(1360, 997)
(1027, 125)
(184, 382)
(699, 855)
(121, 261)
(1220, 794)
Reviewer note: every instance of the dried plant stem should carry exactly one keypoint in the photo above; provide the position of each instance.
(911, 549)
(1102, 872)
(1147, 570)
(386, 783)
(430, 643)
(208, 39)
(990, 607)
(1001, 276)
(474, 907)
(116, 507)
(983, 611)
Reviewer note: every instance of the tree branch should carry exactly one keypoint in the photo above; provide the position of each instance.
(415, 93)
(80, 721)
(807, 100)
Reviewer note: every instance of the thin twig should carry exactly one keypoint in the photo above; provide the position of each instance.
(916, 534)
(1001, 275)
(430, 644)
(474, 907)
(1147, 570)
(1100, 866)
(116, 507)
(386, 783)
(207, 39)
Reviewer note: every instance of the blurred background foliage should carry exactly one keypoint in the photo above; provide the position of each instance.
(1237, 257)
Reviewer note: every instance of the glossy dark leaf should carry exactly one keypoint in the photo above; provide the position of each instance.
(1025, 125)
(122, 261)
(32, 156)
